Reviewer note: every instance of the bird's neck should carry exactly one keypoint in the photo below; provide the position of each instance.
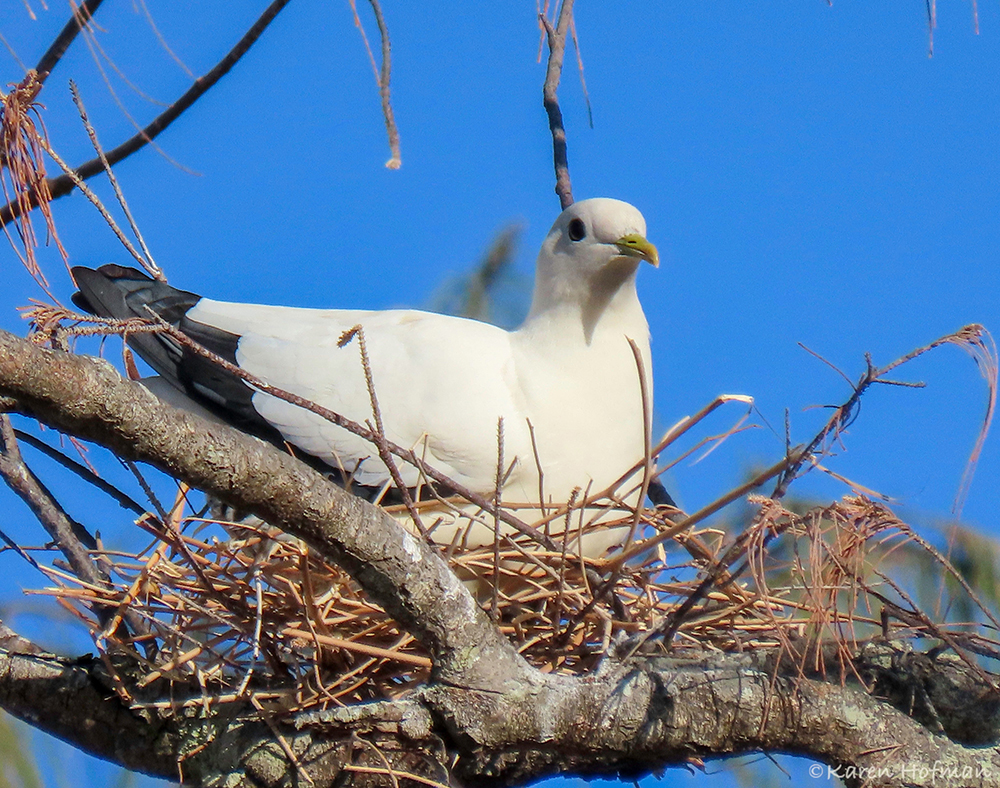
(604, 309)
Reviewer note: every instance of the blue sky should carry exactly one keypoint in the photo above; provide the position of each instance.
(808, 173)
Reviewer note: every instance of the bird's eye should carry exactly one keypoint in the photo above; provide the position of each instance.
(577, 230)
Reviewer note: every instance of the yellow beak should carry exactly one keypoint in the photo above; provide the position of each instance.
(635, 245)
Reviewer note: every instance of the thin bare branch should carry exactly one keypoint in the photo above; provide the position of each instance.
(64, 184)
(381, 77)
(579, 68)
(71, 538)
(385, 73)
(550, 99)
(77, 180)
(82, 471)
(497, 505)
(162, 40)
(147, 262)
(380, 440)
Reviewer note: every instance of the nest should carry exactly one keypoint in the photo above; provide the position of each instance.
(234, 608)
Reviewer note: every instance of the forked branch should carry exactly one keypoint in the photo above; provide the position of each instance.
(64, 184)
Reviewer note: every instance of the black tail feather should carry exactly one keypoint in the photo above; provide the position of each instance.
(121, 292)
(118, 292)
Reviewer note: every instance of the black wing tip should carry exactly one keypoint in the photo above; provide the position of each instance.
(91, 282)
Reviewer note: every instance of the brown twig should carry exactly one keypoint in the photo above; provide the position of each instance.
(494, 609)
(380, 440)
(718, 571)
(705, 512)
(647, 424)
(282, 741)
(396, 161)
(382, 77)
(147, 262)
(550, 99)
(68, 535)
(64, 184)
(538, 468)
(647, 441)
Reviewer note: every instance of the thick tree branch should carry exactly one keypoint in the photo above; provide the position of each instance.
(87, 398)
(644, 714)
(652, 712)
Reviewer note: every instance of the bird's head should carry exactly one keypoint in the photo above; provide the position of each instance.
(596, 231)
(594, 247)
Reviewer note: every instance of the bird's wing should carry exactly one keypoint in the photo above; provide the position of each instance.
(441, 384)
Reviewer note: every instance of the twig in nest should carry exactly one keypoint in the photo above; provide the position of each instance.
(647, 441)
(282, 741)
(380, 440)
(258, 619)
(538, 469)
(395, 774)
(494, 609)
(647, 449)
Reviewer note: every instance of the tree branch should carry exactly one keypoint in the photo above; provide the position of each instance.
(81, 17)
(59, 696)
(550, 99)
(63, 184)
(644, 714)
(657, 711)
(86, 397)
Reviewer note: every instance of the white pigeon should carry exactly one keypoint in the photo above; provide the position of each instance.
(568, 373)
